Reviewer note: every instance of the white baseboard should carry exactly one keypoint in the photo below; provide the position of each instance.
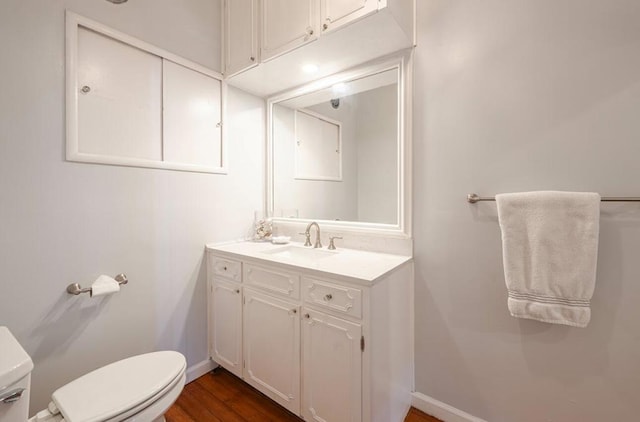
(199, 369)
(441, 410)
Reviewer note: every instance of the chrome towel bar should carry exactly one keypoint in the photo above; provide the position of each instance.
(472, 198)
(76, 289)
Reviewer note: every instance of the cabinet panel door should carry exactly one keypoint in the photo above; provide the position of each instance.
(272, 348)
(240, 35)
(119, 98)
(226, 331)
(192, 117)
(332, 368)
(287, 24)
(335, 13)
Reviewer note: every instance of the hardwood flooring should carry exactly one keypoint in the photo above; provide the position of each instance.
(222, 397)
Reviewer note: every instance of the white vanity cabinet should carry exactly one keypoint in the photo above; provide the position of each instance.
(240, 35)
(287, 24)
(326, 346)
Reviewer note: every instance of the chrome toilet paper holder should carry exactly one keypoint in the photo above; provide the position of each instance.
(76, 289)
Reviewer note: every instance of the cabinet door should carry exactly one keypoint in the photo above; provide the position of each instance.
(119, 98)
(335, 13)
(226, 326)
(272, 348)
(331, 367)
(191, 119)
(287, 24)
(240, 35)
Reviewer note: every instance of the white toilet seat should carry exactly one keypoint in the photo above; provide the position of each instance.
(140, 389)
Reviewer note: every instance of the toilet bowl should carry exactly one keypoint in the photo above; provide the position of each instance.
(137, 389)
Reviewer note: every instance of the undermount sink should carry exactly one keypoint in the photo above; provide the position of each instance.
(299, 253)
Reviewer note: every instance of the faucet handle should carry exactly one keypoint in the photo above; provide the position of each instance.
(307, 241)
(332, 246)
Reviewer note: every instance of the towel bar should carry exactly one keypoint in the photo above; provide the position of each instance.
(472, 198)
(76, 289)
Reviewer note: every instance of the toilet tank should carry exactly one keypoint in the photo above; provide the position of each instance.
(15, 379)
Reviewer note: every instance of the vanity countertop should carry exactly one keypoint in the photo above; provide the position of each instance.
(357, 266)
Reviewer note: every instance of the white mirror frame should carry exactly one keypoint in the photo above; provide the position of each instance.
(403, 63)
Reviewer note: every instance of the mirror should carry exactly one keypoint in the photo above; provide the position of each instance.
(336, 149)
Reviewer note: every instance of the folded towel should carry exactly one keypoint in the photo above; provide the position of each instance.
(550, 248)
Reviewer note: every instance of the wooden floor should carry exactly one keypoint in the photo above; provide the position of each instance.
(222, 397)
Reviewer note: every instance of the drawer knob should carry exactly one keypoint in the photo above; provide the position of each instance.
(328, 297)
(294, 311)
(224, 268)
(307, 316)
(237, 290)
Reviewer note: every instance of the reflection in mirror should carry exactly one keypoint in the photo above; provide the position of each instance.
(335, 152)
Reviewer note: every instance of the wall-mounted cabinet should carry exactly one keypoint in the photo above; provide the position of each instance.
(239, 35)
(133, 104)
(286, 25)
(335, 13)
(304, 40)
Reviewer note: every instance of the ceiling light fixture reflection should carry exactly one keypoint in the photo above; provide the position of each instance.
(310, 68)
(340, 88)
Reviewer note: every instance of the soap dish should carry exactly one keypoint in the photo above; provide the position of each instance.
(280, 240)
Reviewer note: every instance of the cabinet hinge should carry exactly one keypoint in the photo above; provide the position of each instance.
(362, 343)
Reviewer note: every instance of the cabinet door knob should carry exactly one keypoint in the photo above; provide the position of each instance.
(328, 297)
(224, 268)
(307, 316)
(253, 59)
(325, 26)
(295, 311)
(237, 290)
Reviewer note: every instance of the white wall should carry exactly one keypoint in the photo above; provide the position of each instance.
(514, 96)
(63, 222)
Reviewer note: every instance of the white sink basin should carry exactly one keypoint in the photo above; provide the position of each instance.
(293, 253)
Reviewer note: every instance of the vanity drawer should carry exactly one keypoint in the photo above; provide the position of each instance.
(345, 300)
(273, 279)
(227, 268)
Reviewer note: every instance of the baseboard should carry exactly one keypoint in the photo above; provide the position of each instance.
(441, 410)
(199, 369)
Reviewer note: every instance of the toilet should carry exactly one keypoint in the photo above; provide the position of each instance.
(137, 389)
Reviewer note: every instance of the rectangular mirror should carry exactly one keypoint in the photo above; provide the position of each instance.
(337, 150)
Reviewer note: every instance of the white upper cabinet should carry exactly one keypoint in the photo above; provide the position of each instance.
(240, 35)
(334, 13)
(306, 40)
(287, 24)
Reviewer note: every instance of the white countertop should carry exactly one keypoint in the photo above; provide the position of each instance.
(353, 265)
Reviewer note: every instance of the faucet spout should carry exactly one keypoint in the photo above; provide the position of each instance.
(307, 233)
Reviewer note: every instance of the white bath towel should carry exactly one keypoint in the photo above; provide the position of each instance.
(550, 248)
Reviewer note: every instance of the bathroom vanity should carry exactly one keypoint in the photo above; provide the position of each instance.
(326, 334)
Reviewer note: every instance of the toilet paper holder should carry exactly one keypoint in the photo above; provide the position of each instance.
(76, 289)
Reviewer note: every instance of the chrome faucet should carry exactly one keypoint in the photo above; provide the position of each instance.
(307, 234)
